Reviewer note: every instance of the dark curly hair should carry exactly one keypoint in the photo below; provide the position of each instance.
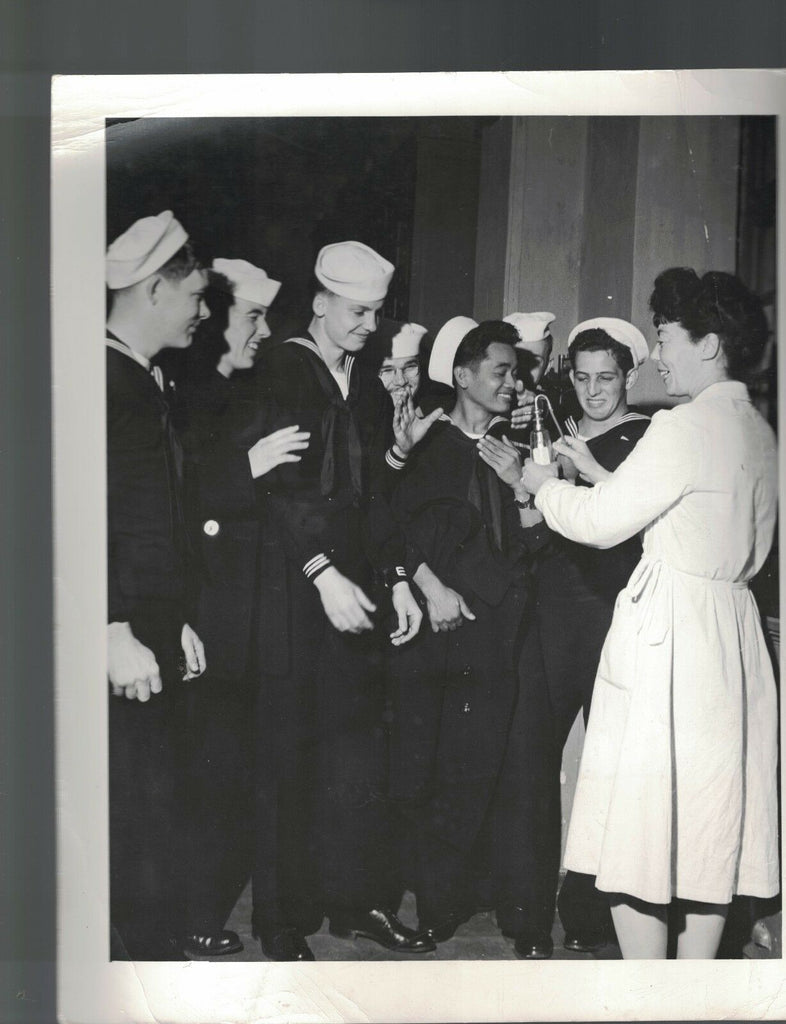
(475, 344)
(595, 339)
(716, 303)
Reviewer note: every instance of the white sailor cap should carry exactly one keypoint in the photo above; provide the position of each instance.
(393, 339)
(446, 343)
(620, 330)
(248, 282)
(531, 326)
(143, 249)
(354, 271)
(405, 342)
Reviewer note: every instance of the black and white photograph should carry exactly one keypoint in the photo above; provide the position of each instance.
(419, 503)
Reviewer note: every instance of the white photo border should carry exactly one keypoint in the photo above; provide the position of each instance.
(90, 988)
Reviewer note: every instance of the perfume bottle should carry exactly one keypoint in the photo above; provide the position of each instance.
(540, 439)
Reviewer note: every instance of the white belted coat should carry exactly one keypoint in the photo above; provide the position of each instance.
(677, 792)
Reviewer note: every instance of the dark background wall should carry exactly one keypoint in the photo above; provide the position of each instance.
(481, 216)
(273, 191)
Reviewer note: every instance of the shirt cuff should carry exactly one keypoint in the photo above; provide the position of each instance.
(395, 457)
(398, 574)
(315, 566)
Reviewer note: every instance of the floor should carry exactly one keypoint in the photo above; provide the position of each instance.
(478, 939)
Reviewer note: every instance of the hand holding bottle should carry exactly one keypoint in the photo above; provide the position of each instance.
(533, 475)
(582, 458)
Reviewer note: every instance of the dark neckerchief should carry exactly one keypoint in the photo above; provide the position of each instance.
(337, 407)
(484, 491)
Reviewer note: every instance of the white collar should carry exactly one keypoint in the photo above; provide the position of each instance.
(122, 346)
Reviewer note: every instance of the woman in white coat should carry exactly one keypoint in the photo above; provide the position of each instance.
(677, 796)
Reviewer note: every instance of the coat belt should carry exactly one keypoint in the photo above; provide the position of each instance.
(651, 592)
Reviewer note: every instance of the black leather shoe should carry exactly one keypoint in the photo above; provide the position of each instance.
(533, 945)
(383, 927)
(446, 927)
(221, 944)
(284, 946)
(585, 942)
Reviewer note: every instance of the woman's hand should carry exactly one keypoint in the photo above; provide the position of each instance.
(409, 426)
(582, 458)
(502, 457)
(534, 476)
(276, 448)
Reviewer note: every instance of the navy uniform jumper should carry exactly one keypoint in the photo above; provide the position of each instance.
(322, 840)
(471, 748)
(227, 534)
(145, 577)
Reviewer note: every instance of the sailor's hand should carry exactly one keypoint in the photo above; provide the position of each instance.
(409, 614)
(193, 652)
(502, 457)
(344, 602)
(132, 668)
(446, 608)
(521, 416)
(408, 426)
(278, 447)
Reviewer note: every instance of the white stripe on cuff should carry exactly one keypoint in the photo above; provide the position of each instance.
(315, 565)
(393, 460)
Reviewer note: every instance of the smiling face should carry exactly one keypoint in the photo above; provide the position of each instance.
(246, 327)
(601, 385)
(400, 375)
(346, 322)
(491, 384)
(180, 308)
(679, 359)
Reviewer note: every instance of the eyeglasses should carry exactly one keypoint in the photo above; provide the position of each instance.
(410, 370)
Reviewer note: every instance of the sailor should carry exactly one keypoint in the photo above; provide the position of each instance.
(323, 842)
(156, 295)
(393, 350)
(471, 759)
(228, 538)
(536, 377)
